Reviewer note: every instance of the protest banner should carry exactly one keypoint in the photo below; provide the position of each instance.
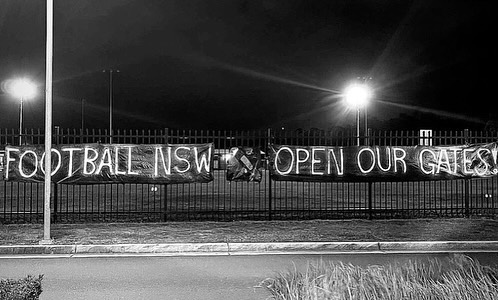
(112, 163)
(382, 163)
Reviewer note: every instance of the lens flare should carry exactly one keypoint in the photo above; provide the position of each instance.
(357, 95)
(20, 88)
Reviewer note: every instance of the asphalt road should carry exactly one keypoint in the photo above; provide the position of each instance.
(200, 277)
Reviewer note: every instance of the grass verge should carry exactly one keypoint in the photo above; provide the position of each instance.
(457, 277)
(463, 229)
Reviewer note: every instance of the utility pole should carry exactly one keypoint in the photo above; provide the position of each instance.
(366, 79)
(82, 115)
(110, 71)
(358, 127)
(21, 105)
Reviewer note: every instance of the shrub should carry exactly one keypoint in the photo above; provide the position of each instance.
(455, 278)
(28, 288)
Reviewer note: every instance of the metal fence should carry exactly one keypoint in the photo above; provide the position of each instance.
(221, 200)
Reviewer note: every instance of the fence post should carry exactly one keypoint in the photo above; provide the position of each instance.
(165, 206)
(370, 214)
(166, 140)
(466, 185)
(467, 197)
(56, 186)
(269, 177)
(56, 192)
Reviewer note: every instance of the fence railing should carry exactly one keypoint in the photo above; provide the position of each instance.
(222, 200)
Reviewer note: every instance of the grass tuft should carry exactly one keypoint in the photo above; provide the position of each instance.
(454, 278)
(27, 288)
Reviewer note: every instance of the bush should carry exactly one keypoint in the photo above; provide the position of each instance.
(455, 278)
(28, 288)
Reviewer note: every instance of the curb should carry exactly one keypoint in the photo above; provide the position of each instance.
(180, 249)
(318, 247)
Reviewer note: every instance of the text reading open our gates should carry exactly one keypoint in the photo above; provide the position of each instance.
(383, 163)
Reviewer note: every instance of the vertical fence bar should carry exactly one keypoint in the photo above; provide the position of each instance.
(466, 185)
(467, 197)
(269, 178)
(370, 213)
(56, 187)
(165, 197)
(56, 193)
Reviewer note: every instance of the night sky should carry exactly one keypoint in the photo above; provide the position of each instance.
(247, 64)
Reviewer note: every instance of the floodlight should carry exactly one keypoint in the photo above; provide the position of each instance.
(357, 96)
(22, 88)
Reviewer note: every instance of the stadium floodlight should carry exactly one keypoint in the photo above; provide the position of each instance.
(23, 89)
(357, 96)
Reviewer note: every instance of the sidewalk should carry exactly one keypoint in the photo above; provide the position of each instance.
(256, 237)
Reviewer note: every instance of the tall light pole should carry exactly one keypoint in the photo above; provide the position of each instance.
(356, 96)
(365, 83)
(48, 123)
(110, 71)
(23, 89)
(82, 115)
(21, 107)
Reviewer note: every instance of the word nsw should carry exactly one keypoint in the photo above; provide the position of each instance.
(378, 163)
(124, 163)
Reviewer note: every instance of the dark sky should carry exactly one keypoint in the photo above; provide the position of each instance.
(247, 64)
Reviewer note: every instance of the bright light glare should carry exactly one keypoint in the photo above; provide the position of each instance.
(22, 88)
(357, 95)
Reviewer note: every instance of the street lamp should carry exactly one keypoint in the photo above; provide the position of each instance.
(356, 96)
(24, 89)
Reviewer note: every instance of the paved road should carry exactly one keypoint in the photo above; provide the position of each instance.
(206, 277)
